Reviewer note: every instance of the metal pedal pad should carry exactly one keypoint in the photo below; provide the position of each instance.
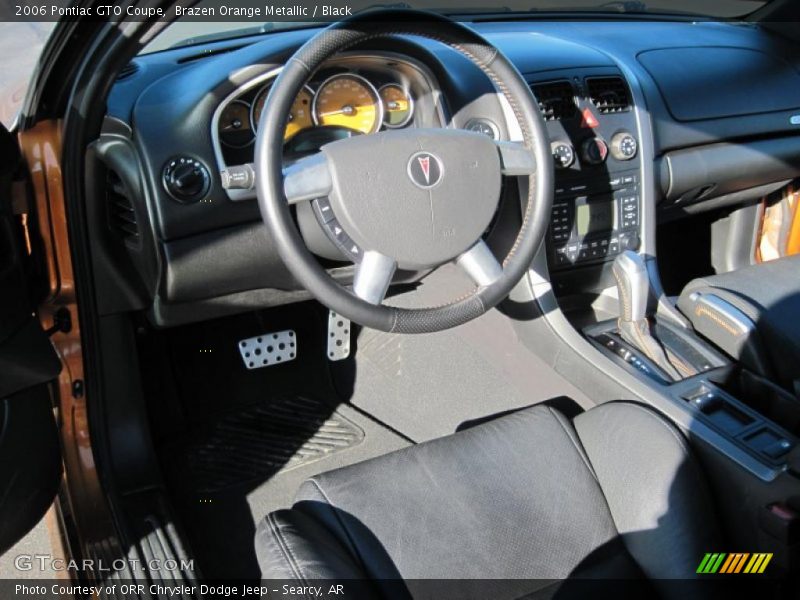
(338, 337)
(269, 349)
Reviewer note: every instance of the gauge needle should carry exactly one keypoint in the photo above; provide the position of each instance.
(345, 110)
(234, 125)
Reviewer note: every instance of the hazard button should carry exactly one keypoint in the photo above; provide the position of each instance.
(589, 120)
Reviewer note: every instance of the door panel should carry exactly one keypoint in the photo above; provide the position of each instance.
(30, 459)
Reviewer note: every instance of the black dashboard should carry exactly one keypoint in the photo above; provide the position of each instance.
(614, 95)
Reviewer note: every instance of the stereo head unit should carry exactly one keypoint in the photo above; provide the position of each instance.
(595, 220)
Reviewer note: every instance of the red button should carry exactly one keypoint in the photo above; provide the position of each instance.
(589, 120)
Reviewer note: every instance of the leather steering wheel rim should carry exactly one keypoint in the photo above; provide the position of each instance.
(276, 211)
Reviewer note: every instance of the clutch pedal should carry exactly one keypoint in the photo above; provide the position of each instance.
(338, 337)
(269, 349)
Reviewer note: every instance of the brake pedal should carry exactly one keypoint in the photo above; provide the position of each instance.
(269, 349)
(338, 337)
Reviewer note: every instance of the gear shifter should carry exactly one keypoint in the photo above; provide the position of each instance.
(633, 286)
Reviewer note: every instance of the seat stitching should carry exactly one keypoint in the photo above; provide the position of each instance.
(581, 451)
(286, 551)
(344, 527)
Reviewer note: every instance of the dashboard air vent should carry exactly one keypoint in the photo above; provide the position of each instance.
(128, 71)
(609, 94)
(556, 99)
(121, 213)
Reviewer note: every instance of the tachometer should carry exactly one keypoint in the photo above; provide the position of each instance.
(398, 106)
(234, 125)
(348, 100)
(299, 113)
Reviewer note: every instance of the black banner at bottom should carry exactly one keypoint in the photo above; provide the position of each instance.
(754, 588)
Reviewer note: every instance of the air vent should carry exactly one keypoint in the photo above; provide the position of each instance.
(121, 214)
(556, 99)
(128, 71)
(609, 94)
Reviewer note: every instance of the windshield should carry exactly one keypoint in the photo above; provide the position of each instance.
(219, 19)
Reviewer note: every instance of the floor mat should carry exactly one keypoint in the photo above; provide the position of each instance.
(428, 386)
(256, 443)
(227, 475)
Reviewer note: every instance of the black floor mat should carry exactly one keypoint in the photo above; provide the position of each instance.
(259, 441)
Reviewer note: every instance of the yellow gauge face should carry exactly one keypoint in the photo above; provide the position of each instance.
(348, 101)
(234, 125)
(299, 113)
(397, 105)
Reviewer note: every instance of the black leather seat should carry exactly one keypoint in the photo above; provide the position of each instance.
(529, 496)
(751, 314)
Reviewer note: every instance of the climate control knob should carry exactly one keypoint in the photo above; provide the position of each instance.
(186, 179)
(594, 151)
(624, 146)
(563, 154)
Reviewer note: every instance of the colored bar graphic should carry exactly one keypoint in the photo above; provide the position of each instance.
(736, 562)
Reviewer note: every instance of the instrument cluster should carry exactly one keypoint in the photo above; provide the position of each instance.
(348, 101)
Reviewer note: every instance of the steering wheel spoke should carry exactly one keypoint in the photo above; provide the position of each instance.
(480, 264)
(516, 160)
(307, 179)
(373, 275)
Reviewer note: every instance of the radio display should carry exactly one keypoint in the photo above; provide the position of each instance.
(594, 216)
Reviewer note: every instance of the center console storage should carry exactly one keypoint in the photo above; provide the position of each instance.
(759, 416)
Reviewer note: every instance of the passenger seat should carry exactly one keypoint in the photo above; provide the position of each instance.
(753, 315)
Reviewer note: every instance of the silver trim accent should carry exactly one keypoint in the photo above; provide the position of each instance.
(373, 275)
(737, 319)
(516, 160)
(411, 105)
(307, 179)
(480, 264)
(339, 329)
(235, 195)
(365, 81)
(268, 349)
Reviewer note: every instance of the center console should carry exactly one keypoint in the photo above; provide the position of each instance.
(596, 218)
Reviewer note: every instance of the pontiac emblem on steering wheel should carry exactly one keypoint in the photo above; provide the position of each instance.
(425, 170)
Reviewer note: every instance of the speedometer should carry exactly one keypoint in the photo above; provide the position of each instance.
(348, 100)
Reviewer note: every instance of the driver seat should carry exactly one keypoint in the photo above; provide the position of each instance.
(530, 496)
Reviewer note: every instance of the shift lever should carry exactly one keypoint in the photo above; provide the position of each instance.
(633, 286)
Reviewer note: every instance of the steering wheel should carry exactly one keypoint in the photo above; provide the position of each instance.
(411, 198)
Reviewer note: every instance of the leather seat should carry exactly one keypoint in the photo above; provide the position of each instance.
(751, 315)
(529, 497)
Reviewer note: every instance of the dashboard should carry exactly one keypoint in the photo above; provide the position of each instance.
(627, 144)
